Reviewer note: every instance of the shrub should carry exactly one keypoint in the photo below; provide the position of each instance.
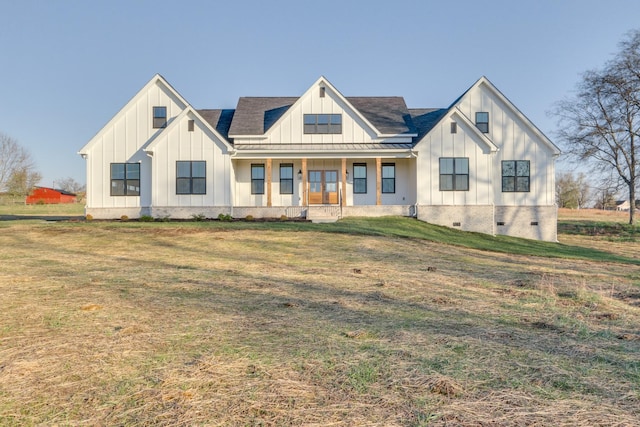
(198, 217)
(146, 218)
(124, 218)
(165, 218)
(249, 218)
(284, 218)
(224, 217)
(89, 217)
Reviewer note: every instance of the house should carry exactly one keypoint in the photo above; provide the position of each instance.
(477, 165)
(624, 205)
(46, 195)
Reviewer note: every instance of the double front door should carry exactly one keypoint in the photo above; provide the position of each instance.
(323, 187)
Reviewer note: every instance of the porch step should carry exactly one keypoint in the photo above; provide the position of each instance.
(323, 214)
(324, 220)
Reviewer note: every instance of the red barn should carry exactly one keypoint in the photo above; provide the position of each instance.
(50, 196)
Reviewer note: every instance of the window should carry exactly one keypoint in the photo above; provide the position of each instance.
(454, 174)
(322, 123)
(359, 178)
(125, 179)
(286, 178)
(159, 117)
(482, 121)
(388, 178)
(257, 179)
(515, 176)
(191, 177)
(454, 127)
(191, 125)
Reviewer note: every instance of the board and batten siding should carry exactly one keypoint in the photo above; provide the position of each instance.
(515, 141)
(440, 142)
(121, 141)
(180, 144)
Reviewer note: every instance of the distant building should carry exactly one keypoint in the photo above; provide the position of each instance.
(45, 195)
(624, 205)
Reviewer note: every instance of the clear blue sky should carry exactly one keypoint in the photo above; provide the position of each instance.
(66, 67)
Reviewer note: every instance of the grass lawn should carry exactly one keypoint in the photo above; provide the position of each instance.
(363, 322)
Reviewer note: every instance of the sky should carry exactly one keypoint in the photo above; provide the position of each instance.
(68, 66)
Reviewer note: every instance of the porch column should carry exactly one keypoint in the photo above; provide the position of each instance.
(268, 172)
(378, 181)
(344, 182)
(304, 182)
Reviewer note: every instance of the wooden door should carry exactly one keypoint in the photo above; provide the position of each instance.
(323, 187)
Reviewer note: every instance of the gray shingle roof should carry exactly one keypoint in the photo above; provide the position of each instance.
(389, 114)
(255, 115)
(220, 120)
(425, 119)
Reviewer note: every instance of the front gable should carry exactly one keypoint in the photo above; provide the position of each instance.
(132, 127)
(276, 121)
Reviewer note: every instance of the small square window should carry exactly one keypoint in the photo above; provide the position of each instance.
(191, 125)
(159, 117)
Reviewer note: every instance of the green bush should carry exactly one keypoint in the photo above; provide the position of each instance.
(146, 218)
(198, 217)
(224, 217)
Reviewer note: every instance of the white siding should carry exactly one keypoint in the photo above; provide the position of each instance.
(121, 141)
(179, 144)
(516, 142)
(440, 142)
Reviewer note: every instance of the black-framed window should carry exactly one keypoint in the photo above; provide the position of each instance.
(191, 177)
(286, 178)
(125, 179)
(257, 178)
(322, 123)
(359, 178)
(482, 121)
(159, 117)
(516, 176)
(388, 177)
(454, 174)
(454, 127)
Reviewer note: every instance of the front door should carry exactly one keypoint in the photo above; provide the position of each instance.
(323, 187)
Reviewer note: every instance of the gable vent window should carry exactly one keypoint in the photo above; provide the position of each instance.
(159, 117)
(454, 127)
(322, 123)
(190, 125)
(322, 91)
(482, 121)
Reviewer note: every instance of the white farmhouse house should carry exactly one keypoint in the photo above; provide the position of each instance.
(477, 165)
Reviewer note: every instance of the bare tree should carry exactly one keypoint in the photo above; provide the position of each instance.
(69, 184)
(571, 191)
(601, 124)
(17, 168)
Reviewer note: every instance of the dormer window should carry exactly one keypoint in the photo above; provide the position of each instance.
(159, 117)
(482, 121)
(322, 123)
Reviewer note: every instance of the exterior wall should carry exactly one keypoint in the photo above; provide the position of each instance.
(121, 141)
(440, 142)
(179, 144)
(396, 210)
(117, 213)
(242, 184)
(517, 142)
(518, 222)
(470, 218)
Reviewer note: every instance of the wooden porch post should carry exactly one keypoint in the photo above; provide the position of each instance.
(268, 183)
(304, 182)
(344, 182)
(378, 181)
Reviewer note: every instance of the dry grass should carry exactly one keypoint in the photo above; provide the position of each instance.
(176, 324)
